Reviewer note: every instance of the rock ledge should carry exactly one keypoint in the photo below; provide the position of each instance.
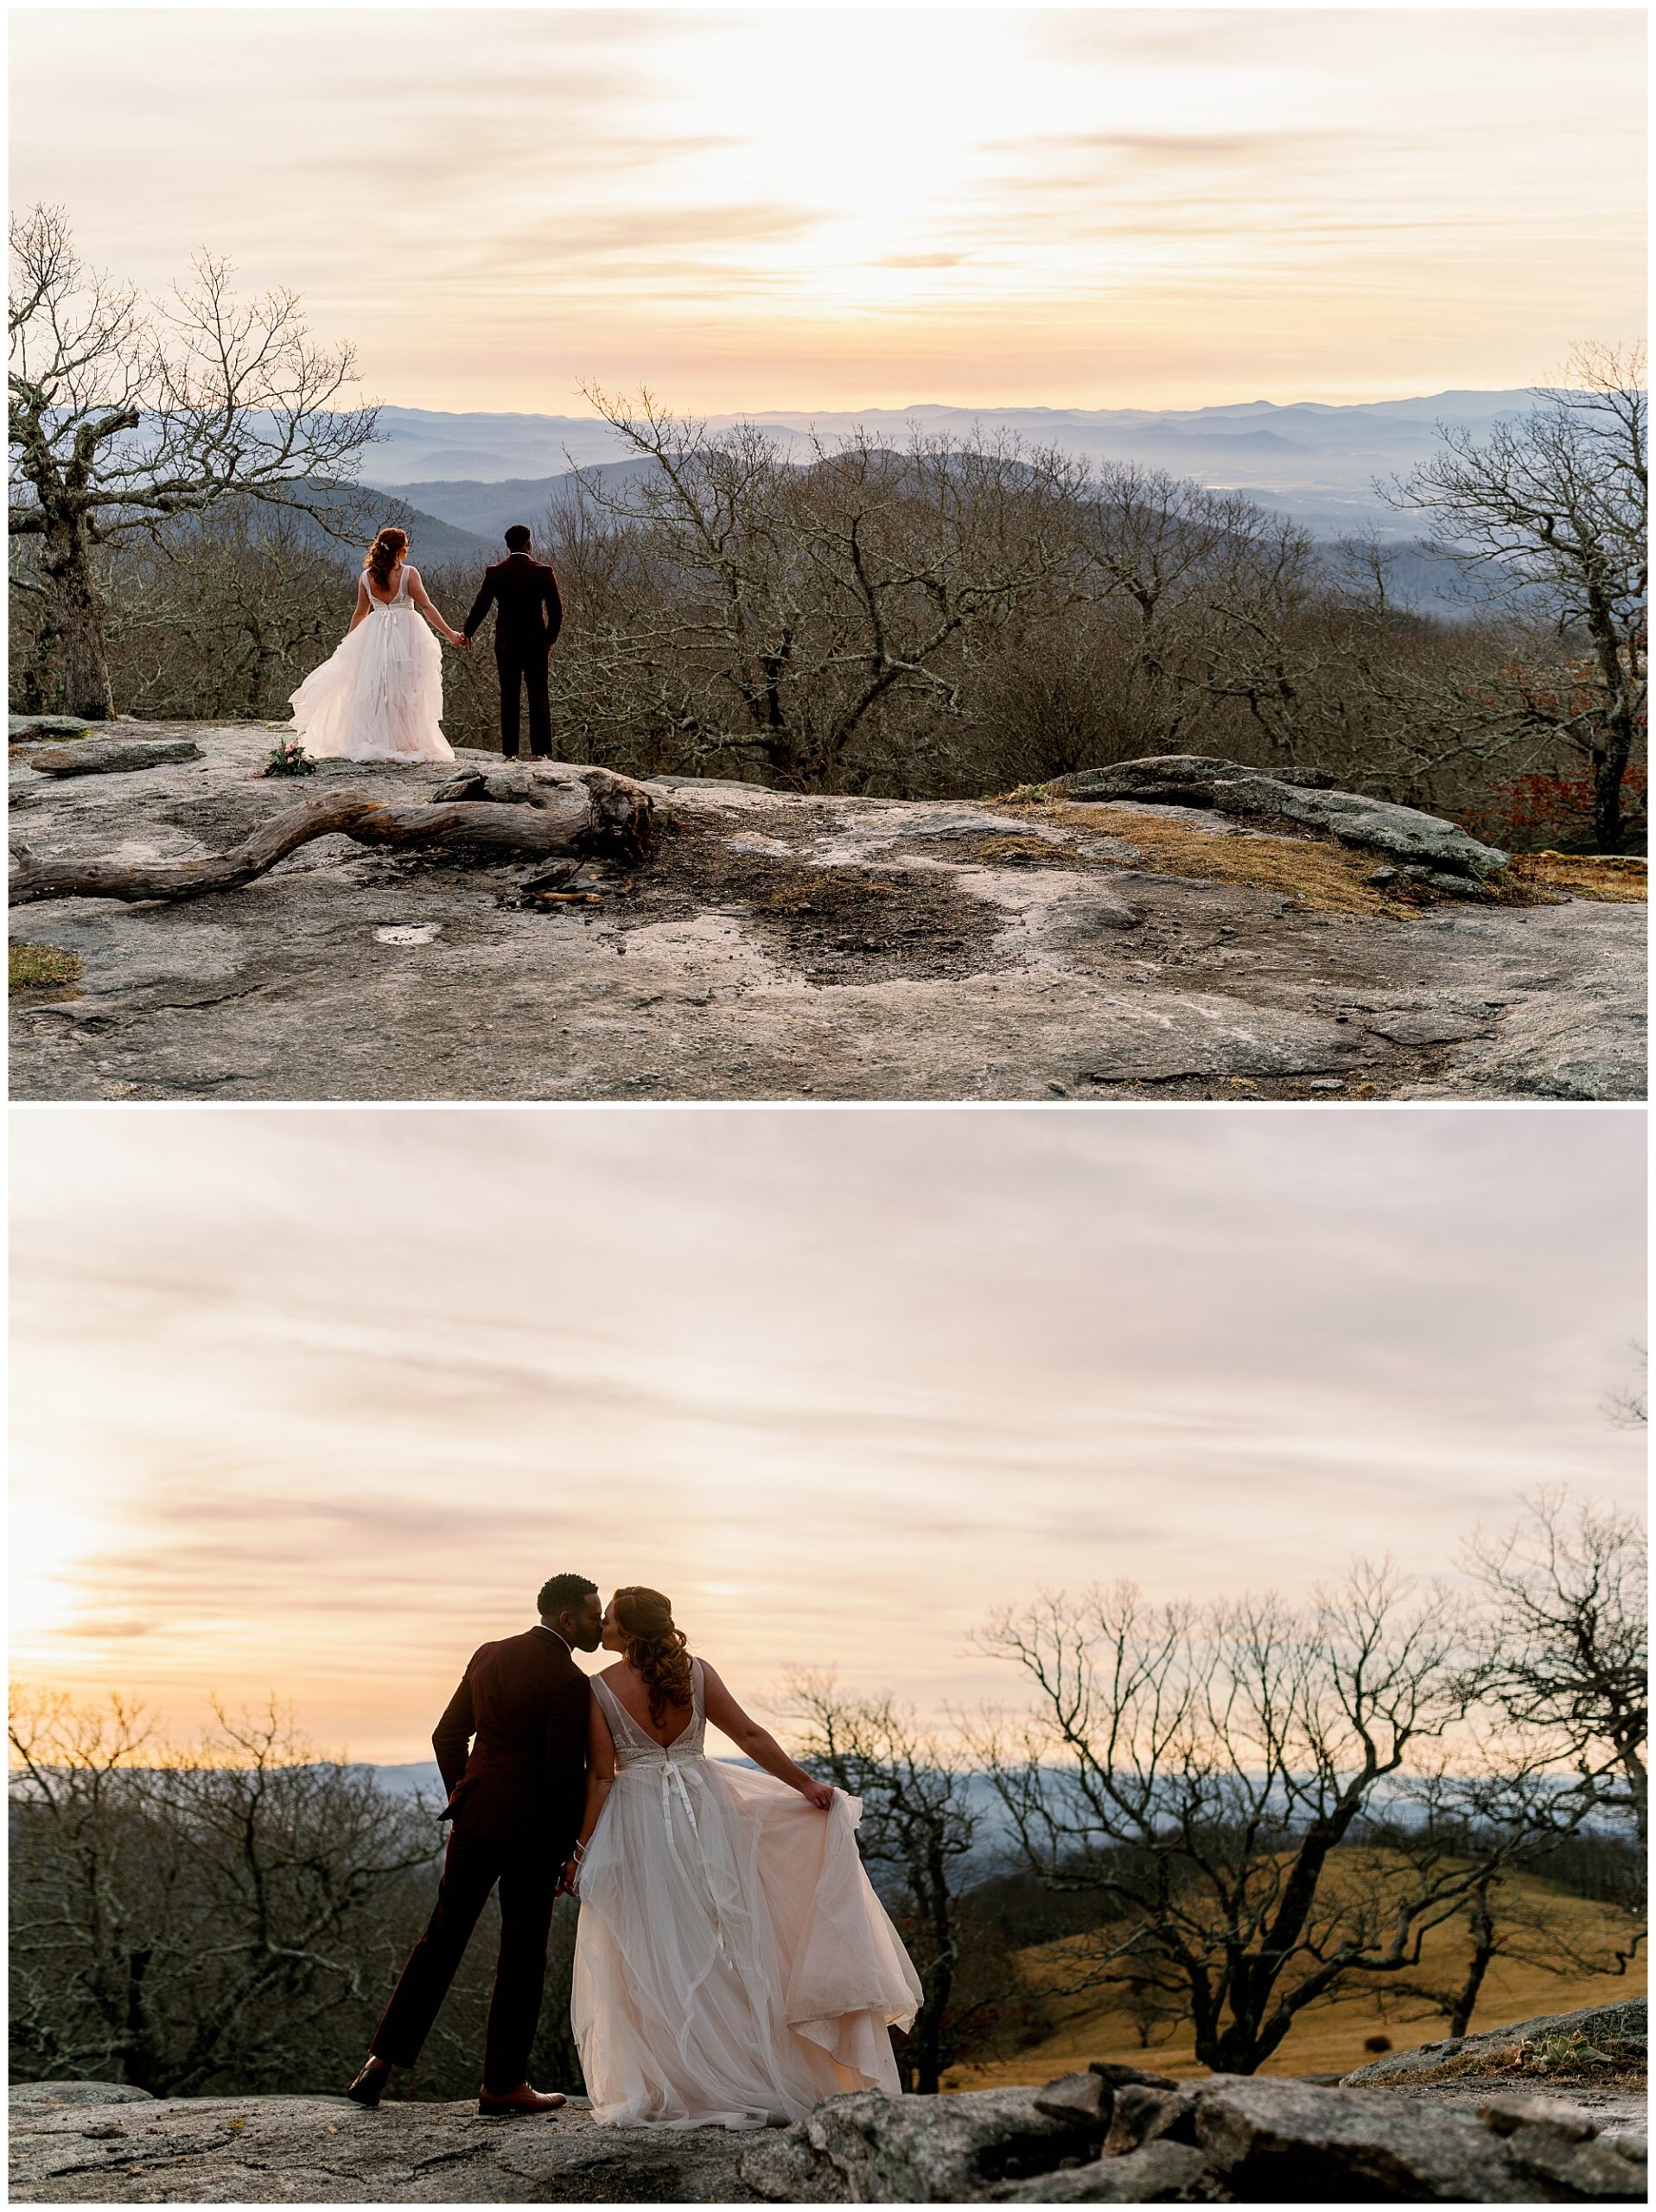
(1110, 2137)
(778, 946)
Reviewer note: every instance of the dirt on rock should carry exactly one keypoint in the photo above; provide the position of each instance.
(778, 946)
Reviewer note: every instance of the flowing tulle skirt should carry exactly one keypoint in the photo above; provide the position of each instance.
(379, 696)
(732, 1962)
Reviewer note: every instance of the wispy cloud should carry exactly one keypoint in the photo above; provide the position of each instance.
(782, 208)
(313, 1400)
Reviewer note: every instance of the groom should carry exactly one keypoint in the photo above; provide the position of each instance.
(516, 1804)
(528, 615)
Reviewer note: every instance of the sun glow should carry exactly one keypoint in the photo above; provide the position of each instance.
(798, 208)
(840, 1384)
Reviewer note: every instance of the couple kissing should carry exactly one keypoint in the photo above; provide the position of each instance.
(733, 1964)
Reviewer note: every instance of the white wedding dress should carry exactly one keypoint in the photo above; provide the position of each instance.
(379, 695)
(732, 1963)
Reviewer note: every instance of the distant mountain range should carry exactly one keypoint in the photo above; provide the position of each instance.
(460, 520)
(482, 510)
(1317, 461)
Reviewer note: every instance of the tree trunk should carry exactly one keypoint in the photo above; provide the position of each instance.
(78, 607)
(1611, 754)
(601, 814)
(1483, 1950)
(1236, 2051)
(1609, 770)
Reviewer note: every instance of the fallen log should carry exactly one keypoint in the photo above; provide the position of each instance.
(596, 816)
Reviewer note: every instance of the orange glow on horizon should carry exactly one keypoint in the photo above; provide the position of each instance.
(795, 209)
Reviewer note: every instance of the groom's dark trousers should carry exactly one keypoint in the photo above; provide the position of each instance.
(516, 1804)
(525, 671)
(528, 615)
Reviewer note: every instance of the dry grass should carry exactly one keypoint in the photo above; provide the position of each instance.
(1619, 879)
(1544, 2063)
(42, 971)
(1314, 872)
(1329, 2038)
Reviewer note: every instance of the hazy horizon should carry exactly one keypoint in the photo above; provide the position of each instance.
(829, 209)
(310, 1402)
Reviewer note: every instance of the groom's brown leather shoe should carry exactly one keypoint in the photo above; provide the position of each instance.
(521, 2103)
(365, 2090)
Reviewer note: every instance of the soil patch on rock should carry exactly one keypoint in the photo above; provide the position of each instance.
(831, 924)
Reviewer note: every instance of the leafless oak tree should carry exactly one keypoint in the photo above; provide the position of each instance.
(1564, 1644)
(918, 1825)
(794, 603)
(1210, 1771)
(124, 411)
(1630, 1406)
(181, 1920)
(1554, 509)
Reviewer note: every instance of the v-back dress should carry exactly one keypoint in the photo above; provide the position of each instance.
(379, 696)
(732, 1962)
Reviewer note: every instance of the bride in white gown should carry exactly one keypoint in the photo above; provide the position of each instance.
(379, 695)
(732, 1962)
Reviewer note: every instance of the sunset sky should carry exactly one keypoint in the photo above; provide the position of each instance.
(310, 1401)
(796, 208)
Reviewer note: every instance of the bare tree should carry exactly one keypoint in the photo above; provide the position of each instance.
(919, 1826)
(1148, 544)
(124, 411)
(187, 1920)
(794, 604)
(1564, 1646)
(1630, 1406)
(1205, 1769)
(1553, 510)
(1512, 1915)
(1496, 1801)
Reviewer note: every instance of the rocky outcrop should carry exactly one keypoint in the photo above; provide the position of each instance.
(1087, 2139)
(1617, 2033)
(1421, 845)
(53, 2095)
(22, 727)
(777, 945)
(95, 756)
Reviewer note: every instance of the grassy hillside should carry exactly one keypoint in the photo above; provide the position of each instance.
(1329, 2038)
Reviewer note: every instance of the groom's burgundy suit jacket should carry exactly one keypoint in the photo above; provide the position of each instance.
(528, 610)
(523, 1706)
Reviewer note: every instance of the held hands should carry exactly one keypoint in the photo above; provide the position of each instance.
(568, 1882)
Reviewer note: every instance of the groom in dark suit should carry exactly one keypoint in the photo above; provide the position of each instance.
(516, 1802)
(528, 615)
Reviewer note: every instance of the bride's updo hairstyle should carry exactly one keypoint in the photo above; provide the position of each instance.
(654, 1648)
(384, 555)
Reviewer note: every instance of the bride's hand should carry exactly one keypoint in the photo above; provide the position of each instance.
(820, 1794)
(568, 1882)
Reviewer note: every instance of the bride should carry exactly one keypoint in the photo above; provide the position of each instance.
(379, 695)
(732, 1963)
